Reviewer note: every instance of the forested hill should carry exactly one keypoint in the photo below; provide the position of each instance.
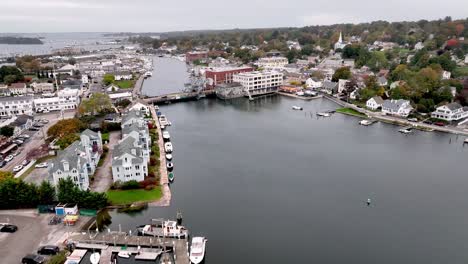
(20, 41)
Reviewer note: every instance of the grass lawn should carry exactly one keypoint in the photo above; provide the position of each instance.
(105, 137)
(125, 84)
(119, 197)
(349, 111)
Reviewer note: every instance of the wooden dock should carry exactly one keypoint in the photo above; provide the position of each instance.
(147, 247)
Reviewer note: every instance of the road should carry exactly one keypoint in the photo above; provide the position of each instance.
(138, 86)
(103, 177)
(37, 139)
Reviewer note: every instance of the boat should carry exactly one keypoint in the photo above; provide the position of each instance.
(366, 122)
(171, 176)
(295, 107)
(123, 254)
(166, 136)
(156, 107)
(168, 229)
(369, 202)
(170, 166)
(197, 250)
(323, 114)
(300, 93)
(465, 141)
(169, 156)
(163, 120)
(406, 130)
(168, 147)
(148, 74)
(94, 258)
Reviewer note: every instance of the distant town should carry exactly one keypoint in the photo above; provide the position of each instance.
(78, 134)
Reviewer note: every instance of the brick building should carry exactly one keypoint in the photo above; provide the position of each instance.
(218, 76)
(192, 56)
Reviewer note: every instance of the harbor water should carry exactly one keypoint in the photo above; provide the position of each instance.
(267, 184)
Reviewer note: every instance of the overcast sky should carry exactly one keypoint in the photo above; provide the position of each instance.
(171, 15)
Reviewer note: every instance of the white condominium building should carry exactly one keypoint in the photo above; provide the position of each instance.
(17, 105)
(272, 63)
(258, 83)
(66, 99)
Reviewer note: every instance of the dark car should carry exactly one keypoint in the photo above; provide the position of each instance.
(33, 259)
(9, 228)
(48, 250)
(439, 124)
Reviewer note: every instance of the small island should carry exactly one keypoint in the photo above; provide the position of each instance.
(20, 41)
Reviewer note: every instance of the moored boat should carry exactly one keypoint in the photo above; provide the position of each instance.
(166, 136)
(123, 254)
(323, 114)
(167, 229)
(163, 120)
(406, 130)
(168, 147)
(169, 156)
(94, 258)
(197, 250)
(295, 107)
(170, 166)
(171, 176)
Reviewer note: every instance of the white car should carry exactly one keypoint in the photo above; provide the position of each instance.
(9, 158)
(17, 168)
(25, 136)
(41, 165)
(25, 162)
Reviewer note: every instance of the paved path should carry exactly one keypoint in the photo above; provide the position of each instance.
(136, 93)
(103, 176)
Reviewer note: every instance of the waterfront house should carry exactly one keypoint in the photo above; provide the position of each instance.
(450, 112)
(399, 107)
(140, 133)
(374, 103)
(128, 162)
(116, 97)
(139, 105)
(17, 105)
(123, 75)
(313, 83)
(133, 116)
(330, 87)
(78, 161)
(342, 85)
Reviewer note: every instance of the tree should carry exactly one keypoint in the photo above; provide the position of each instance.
(46, 193)
(371, 83)
(9, 79)
(341, 73)
(65, 127)
(108, 79)
(7, 131)
(351, 51)
(123, 103)
(68, 192)
(377, 61)
(5, 175)
(98, 103)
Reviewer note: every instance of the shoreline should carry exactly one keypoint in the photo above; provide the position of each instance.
(300, 97)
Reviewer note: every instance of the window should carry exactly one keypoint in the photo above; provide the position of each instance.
(137, 167)
(117, 169)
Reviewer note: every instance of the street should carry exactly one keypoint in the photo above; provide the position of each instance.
(37, 139)
(103, 176)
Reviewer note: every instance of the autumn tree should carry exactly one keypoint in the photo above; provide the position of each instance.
(65, 127)
(98, 103)
(108, 79)
(341, 73)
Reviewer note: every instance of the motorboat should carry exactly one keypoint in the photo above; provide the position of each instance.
(163, 120)
(166, 136)
(169, 156)
(366, 122)
(167, 229)
(197, 250)
(94, 258)
(148, 74)
(310, 93)
(466, 141)
(123, 254)
(171, 176)
(295, 107)
(156, 107)
(170, 166)
(300, 93)
(406, 130)
(323, 114)
(168, 147)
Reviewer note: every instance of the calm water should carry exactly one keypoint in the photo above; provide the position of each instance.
(169, 76)
(267, 184)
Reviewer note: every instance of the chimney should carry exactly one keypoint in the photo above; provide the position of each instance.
(66, 166)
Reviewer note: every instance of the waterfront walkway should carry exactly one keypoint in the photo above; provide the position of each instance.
(396, 120)
(164, 180)
(300, 97)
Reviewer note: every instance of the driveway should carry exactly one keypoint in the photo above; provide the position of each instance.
(37, 139)
(38, 175)
(103, 176)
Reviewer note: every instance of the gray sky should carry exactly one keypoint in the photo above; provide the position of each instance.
(170, 15)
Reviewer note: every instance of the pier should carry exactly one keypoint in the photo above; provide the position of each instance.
(178, 97)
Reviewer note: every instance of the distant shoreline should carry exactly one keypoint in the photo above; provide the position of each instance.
(20, 41)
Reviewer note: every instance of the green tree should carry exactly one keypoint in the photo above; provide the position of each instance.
(7, 131)
(341, 73)
(377, 61)
(9, 79)
(46, 193)
(98, 103)
(108, 79)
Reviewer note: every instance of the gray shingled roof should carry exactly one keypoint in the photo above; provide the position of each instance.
(330, 85)
(453, 106)
(133, 114)
(378, 100)
(91, 134)
(125, 147)
(22, 120)
(393, 104)
(15, 98)
(71, 155)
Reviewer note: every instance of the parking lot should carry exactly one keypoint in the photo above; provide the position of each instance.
(33, 231)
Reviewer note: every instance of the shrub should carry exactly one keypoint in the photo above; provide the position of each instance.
(151, 174)
(105, 149)
(149, 187)
(130, 185)
(152, 161)
(116, 185)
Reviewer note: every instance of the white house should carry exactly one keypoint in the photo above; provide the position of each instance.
(374, 103)
(123, 75)
(342, 85)
(120, 96)
(78, 161)
(43, 87)
(272, 63)
(399, 107)
(66, 99)
(446, 75)
(139, 106)
(17, 105)
(314, 83)
(85, 79)
(112, 88)
(450, 112)
(128, 162)
(419, 46)
(18, 88)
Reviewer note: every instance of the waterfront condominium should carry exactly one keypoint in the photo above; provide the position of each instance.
(259, 83)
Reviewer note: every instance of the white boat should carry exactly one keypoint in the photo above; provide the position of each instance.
(148, 74)
(323, 114)
(123, 254)
(300, 93)
(156, 107)
(94, 258)
(170, 166)
(295, 107)
(466, 141)
(365, 122)
(310, 93)
(167, 229)
(406, 130)
(169, 156)
(166, 136)
(168, 147)
(163, 120)
(197, 250)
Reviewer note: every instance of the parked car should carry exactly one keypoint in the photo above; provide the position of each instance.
(33, 259)
(18, 142)
(439, 124)
(41, 165)
(33, 128)
(15, 154)
(9, 158)
(48, 250)
(38, 125)
(2, 163)
(17, 168)
(25, 162)
(25, 136)
(427, 121)
(44, 121)
(413, 119)
(9, 229)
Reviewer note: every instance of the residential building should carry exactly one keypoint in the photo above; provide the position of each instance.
(192, 56)
(450, 112)
(122, 75)
(313, 83)
(66, 99)
(139, 106)
(85, 79)
(17, 105)
(330, 87)
(221, 75)
(115, 97)
(132, 117)
(128, 162)
(43, 87)
(446, 75)
(419, 46)
(78, 161)
(399, 107)
(374, 103)
(272, 63)
(342, 85)
(66, 69)
(382, 81)
(259, 83)
(18, 88)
